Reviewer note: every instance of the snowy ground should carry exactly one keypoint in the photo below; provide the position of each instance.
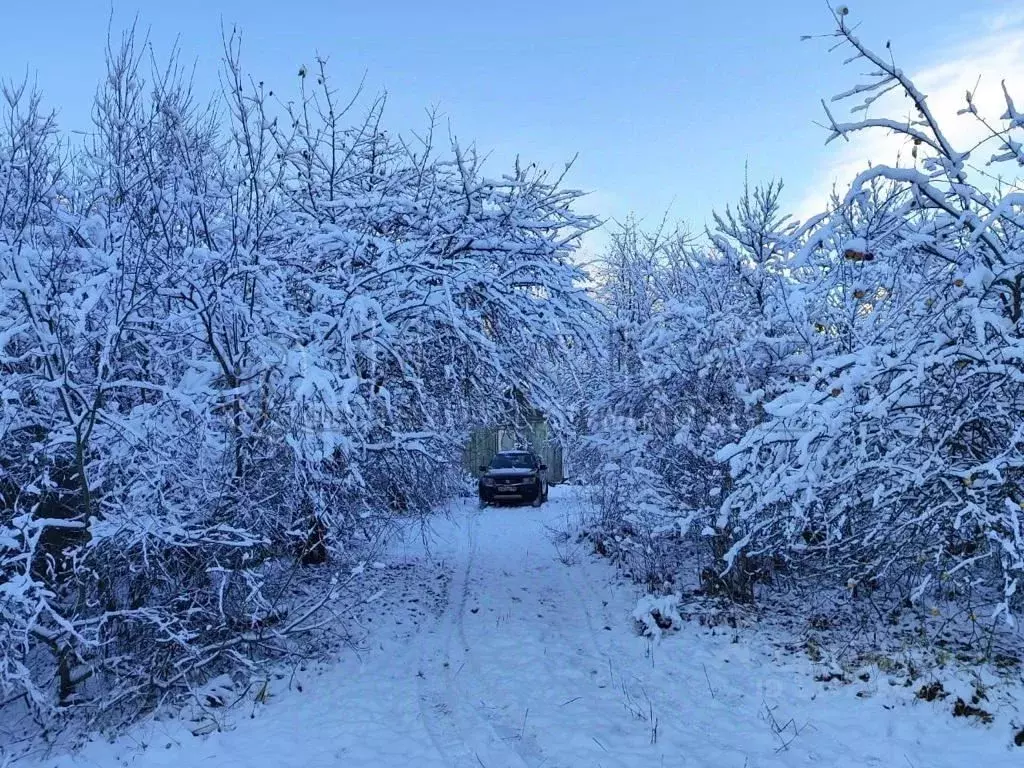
(533, 661)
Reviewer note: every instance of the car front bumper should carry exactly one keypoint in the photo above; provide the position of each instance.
(492, 494)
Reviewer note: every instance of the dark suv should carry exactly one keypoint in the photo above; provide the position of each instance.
(514, 476)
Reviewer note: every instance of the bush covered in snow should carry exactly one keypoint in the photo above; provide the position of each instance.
(838, 399)
(234, 339)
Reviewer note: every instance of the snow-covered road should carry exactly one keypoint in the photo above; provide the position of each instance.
(534, 663)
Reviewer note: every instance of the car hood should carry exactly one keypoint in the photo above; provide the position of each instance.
(510, 473)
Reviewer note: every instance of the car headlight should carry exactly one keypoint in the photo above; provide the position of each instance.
(488, 481)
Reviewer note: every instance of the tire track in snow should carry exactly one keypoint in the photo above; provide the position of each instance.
(462, 735)
(574, 592)
(511, 734)
(468, 670)
(541, 588)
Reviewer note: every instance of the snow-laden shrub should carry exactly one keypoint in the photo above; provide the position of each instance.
(656, 615)
(233, 347)
(633, 507)
(894, 462)
(700, 336)
(836, 400)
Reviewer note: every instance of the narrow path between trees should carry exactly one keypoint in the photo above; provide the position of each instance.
(534, 662)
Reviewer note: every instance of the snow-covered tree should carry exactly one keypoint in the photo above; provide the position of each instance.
(895, 462)
(700, 334)
(237, 339)
(840, 397)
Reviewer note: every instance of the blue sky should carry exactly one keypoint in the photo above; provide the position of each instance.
(665, 101)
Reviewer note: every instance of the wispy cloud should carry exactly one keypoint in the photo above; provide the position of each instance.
(993, 55)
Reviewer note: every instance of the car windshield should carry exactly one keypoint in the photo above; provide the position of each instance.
(513, 461)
